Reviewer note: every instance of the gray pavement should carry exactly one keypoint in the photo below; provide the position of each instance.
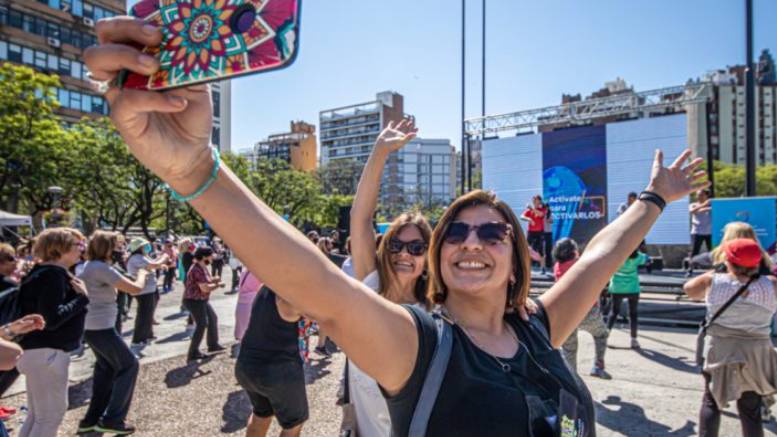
(172, 337)
(655, 391)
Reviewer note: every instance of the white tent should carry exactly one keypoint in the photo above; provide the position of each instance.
(8, 219)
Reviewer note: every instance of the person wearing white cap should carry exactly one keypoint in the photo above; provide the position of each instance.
(139, 248)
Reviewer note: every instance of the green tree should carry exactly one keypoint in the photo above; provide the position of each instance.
(35, 152)
(730, 180)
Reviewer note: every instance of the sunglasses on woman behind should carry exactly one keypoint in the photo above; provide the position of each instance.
(489, 233)
(414, 247)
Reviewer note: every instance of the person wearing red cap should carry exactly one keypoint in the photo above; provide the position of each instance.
(740, 362)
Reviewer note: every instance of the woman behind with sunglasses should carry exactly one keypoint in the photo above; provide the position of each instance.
(396, 270)
(478, 279)
(53, 292)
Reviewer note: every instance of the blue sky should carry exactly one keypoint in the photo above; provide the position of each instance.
(537, 50)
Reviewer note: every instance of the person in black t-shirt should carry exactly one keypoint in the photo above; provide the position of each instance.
(479, 268)
(61, 299)
(269, 367)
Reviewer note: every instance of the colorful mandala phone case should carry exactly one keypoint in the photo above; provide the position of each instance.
(212, 40)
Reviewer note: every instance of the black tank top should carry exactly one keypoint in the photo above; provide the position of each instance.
(268, 337)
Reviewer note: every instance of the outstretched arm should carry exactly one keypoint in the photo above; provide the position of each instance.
(569, 300)
(366, 199)
(169, 133)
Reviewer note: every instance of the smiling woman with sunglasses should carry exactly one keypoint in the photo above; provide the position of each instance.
(478, 282)
(396, 270)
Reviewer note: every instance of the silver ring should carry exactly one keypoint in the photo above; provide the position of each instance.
(101, 86)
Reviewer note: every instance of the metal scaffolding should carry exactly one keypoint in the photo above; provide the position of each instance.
(627, 105)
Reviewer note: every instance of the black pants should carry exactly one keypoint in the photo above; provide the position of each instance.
(7, 378)
(169, 279)
(748, 407)
(616, 309)
(122, 303)
(236, 277)
(144, 318)
(217, 267)
(204, 318)
(115, 374)
(536, 240)
(698, 240)
(548, 249)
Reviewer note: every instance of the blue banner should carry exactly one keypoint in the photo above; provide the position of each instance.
(574, 163)
(758, 212)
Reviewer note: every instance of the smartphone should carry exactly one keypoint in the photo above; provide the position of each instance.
(213, 40)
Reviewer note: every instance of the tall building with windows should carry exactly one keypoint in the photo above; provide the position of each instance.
(221, 134)
(50, 36)
(424, 172)
(720, 123)
(349, 132)
(298, 147)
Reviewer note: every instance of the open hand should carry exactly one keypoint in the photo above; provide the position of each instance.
(677, 180)
(168, 132)
(395, 137)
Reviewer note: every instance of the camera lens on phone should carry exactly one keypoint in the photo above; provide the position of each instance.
(242, 18)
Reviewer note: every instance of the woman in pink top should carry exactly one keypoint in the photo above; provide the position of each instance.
(247, 291)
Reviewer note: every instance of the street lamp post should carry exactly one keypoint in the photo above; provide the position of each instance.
(749, 102)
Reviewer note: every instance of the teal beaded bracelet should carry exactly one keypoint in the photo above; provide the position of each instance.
(213, 175)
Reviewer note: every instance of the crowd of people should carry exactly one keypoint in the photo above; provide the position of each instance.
(440, 334)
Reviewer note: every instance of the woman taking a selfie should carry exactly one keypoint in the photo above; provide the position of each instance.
(503, 375)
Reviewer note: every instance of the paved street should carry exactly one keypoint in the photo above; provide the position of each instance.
(654, 392)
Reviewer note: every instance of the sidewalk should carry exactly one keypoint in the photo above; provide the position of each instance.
(654, 392)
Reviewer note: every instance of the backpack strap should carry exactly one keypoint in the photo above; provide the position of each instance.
(433, 380)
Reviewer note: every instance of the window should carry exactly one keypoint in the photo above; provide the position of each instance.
(64, 66)
(63, 96)
(75, 100)
(27, 23)
(27, 55)
(75, 69)
(3, 50)
(14, 53)
(86, 103)
(53, 64)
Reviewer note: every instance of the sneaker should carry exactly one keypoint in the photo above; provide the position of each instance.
(635, 344)
(115, 429)
(85, 428)
(600, 373)
(323, 351)
(218, 348)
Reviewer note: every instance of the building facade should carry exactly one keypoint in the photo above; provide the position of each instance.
(298, 147)
(348, 134)
(721, 125)
(50, 36)
(221, 133)
(422, 173)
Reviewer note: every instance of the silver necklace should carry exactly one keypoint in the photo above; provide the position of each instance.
(505, 366)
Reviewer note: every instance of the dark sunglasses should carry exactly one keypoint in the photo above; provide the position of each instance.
(489, 233)
(415, 247)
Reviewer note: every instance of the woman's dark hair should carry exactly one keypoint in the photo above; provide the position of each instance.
(565, 250)
(518, 291)
(634, 254)
(202, 253)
